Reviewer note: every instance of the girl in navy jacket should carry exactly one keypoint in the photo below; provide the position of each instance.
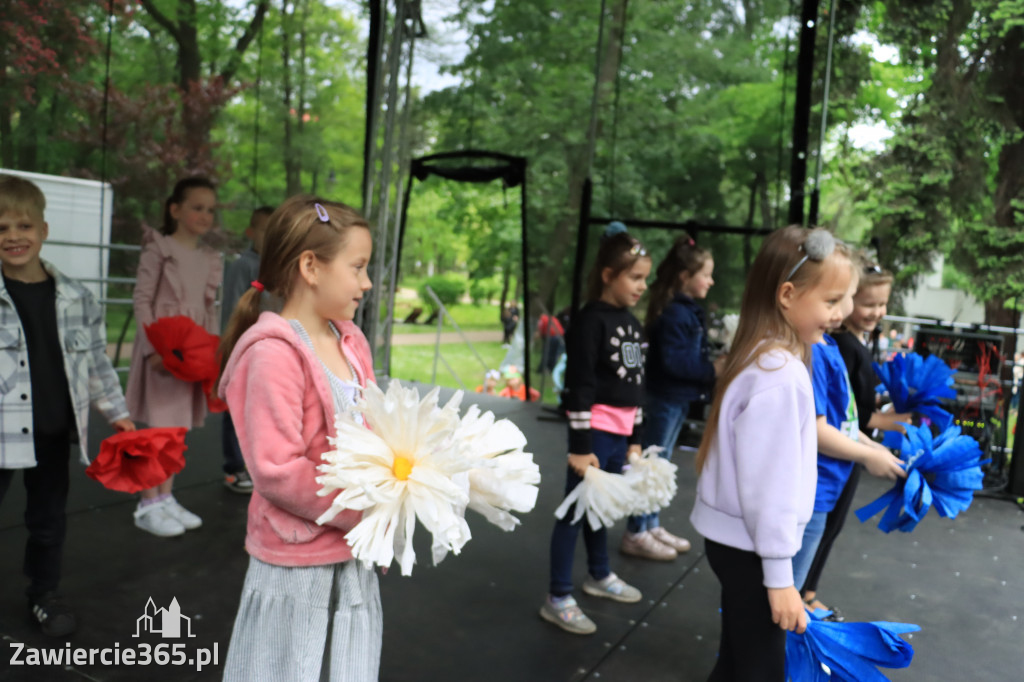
(681, 373)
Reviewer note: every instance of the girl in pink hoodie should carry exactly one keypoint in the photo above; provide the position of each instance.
(305, 606)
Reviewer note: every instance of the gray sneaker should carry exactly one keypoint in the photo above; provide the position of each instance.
(567, 615)
(612, 587)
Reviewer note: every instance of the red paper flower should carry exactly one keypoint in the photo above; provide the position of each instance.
(213, 402)
(189, 352)
(138, 460)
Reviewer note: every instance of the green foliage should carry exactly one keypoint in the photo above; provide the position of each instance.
(484, 289)
(449, 288)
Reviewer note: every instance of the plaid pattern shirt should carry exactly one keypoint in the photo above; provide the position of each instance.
(91, 377)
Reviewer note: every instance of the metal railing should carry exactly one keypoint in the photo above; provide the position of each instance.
(442, 314)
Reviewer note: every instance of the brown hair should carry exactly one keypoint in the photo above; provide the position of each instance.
(871, 273)
(684, 256)
(21, 196)
(294, 228)
(179, 194)
(762, 326)
(620, 252)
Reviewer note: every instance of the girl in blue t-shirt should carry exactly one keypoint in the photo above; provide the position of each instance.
(681, 372)
(841, 443)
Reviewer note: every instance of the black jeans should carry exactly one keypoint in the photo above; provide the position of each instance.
(233, 461)
(752, 648)
(46, 488)
(833, 524)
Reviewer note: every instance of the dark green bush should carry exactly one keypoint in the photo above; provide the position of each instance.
(448, 287)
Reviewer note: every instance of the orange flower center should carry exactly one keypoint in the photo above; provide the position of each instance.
(402, 468)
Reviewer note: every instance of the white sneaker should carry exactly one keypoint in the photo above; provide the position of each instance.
(153, 518)
(183, 516)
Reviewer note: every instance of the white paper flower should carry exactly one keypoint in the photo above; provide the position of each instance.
(399, 470)
(502, 477)
(730, 323)
(603, 497)
(654, 479)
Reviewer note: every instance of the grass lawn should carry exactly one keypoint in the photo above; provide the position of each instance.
(469, 316)
(116, 316)
(416, 363)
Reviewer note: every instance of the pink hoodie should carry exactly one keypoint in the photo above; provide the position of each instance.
(282, 408)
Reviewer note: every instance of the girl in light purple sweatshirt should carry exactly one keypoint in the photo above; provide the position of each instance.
(758, 459)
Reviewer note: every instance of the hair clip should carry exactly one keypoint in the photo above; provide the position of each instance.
(690, 242)
(637, 249)
(872, 270)
(257, 285)
(818, 246)
(321, 213)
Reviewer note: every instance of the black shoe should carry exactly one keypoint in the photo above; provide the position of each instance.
(54, 617)
(239, 482)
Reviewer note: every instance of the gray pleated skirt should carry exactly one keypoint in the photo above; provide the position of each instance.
(307, 624)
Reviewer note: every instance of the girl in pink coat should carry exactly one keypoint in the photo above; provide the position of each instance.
(307, 611)
(176, 276)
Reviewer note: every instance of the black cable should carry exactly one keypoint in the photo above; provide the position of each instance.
(782, 116)
(256, 124)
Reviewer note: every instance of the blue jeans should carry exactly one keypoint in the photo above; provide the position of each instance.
(610, 450)
(808, 547)
(663, 422)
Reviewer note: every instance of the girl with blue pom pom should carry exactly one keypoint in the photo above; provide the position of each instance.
(869, 307)
(841, 443)
(757, 461)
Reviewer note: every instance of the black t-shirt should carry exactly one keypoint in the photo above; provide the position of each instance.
(36, 303)
(863, 379)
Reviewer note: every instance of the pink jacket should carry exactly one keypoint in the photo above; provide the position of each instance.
(282, 408)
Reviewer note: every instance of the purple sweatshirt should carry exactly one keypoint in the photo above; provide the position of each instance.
(756, 492)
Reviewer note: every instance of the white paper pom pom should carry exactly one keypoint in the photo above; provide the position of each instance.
(502, 478)
(654, 480)
(603, 497)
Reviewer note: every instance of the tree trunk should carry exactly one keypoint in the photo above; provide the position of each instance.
(579, 161)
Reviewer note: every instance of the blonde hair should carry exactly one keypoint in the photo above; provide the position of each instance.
(21, 197)
(871, 273)
(294, 228)
(763, 326)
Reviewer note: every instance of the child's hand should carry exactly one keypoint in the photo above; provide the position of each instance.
(579, 463)
(719, 364)
(893, 421)
(884, 464)
(633, 453)
(123, 425)
(157, 363)
(787, 608)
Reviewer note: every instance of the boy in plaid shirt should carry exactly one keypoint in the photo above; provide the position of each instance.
(53, 364)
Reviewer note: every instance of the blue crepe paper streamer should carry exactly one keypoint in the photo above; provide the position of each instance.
(943, 472)
(852, 651)
(918, 384)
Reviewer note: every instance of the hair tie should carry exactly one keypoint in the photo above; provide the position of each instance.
(321, 213)
(690, 242)
(257, 285)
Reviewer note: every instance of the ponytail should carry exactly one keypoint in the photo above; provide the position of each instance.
(246, 312)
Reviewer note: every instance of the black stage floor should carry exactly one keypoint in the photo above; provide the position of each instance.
(474, 617)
